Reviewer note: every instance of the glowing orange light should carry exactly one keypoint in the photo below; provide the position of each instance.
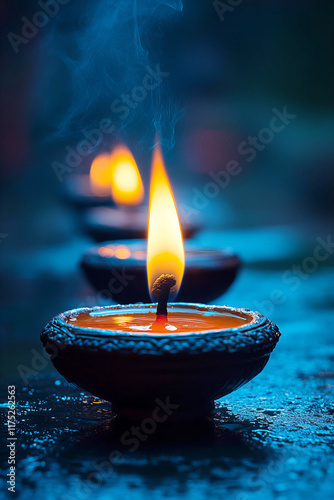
(165, 251)
(122, 252)
(117, 171)
(107, 251)
(126, 184)
(123, 320)
(100, 175)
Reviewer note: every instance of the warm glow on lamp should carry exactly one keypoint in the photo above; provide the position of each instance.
(100, 175)
(126, 184)
(165, 251)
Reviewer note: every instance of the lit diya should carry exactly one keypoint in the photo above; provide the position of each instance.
(154, 359)
(114, 178)
(128, 220)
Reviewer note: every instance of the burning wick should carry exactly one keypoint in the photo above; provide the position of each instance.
(161, 288)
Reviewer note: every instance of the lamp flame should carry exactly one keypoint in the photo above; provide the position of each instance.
(126, 184)
(165, 251)
(117, 171)
(100, 175)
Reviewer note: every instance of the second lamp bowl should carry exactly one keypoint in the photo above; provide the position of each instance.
(117, 270)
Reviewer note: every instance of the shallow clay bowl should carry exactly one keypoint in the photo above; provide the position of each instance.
(138, 371)
(208, 273)
(107, 223)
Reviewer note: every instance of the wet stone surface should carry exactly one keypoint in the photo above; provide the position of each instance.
(263, 442)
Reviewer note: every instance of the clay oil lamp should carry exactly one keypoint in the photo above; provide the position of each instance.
(127, 191)
(160, 362)
(93, 189)
(128, 220)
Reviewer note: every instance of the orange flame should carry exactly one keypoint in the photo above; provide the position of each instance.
(118, 172)
(100, 175)
(165, 251)
(126, 184)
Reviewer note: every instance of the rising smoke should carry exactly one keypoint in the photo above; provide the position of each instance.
(111, 50)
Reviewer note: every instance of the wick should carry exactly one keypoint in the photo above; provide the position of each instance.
(161, 287)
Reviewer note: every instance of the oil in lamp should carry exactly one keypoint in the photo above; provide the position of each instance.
(146, 357)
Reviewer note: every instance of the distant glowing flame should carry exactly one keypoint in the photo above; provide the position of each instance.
(126, 184)
(118, 251)
(122, 252)
(119, 173)
(165, 251)
(100, 175)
